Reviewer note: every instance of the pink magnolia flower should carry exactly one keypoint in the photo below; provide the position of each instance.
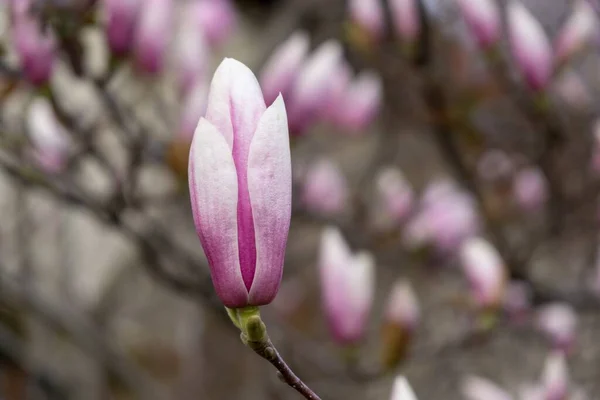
(555, 378)
(484, 270)
(325, 189)
(483, 20)
(368, 14)
(217, 18)
(395, 193)
(282, 69)
(240, 187)
(194, 107)
(579, 30)
(121, 19)
(49, 138)
(530, 189)
(402, 390)
(558, 322)
(152, 35)
(339, 85)
(191, 55)
(348, 286)
(406, 19)
(402, 308)
(530, 46)
(476, 388)
(360, 102)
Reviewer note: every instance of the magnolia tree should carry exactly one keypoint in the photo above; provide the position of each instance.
(383, 188)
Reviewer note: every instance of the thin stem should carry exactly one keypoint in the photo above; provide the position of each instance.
(267, 350)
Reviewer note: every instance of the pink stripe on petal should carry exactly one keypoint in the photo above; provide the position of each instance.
(214, 197)
(270, 189)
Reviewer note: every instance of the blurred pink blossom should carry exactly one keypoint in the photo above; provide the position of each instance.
(395, 195)
(217, 18)
(402, 307)
(558, 322)
(406, 19)
(49, 138)
(368, 14)
(194, 107)
(153, 34)
(495, 165)
(555, 377)
(484, 270)
(580, 29)
(325, 189)
(192, 55)
(483, 20)
(517, 300)
(121, 19)
(530, 189)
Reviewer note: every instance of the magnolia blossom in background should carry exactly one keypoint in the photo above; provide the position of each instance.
(401, 390)
(192, 55)
(477, 388)
(483, 20)
(406, 19)
(368, 15)
(555, 377)
(240, 182)
(283, 66)
(36, 49)
(579, 30)
(484, 270)
(402, 308)
(194, 107)
(347, 285)
(558, 322)
(517, 300)
(217, 19)
(530, 189)
(339, 86)
(359, 103)
(325, 190)
(395, 194)
(49, 138)
(121, 19)
(153, 34)
(529, 45)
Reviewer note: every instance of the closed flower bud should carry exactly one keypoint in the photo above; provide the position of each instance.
(400, 321)
(406, 19)
(530, 189)
(402, 390)
(194, 107)
(360, 103)
(476, 388)
(579, 30)
(216, 18)
(313, 89)
(240, 187)
(340, 83)
(153, 34)
(121, 19)
(485, 272)
(395, 194)
(517, 300)
(483, 20)
(368, 15)
(325, 189)
(282, 69)
(49, 138)
(530, 47)
(558, 322)
(347, 285)
(191, 55)
(555, 378)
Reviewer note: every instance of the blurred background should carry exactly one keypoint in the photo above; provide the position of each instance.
(453, 141)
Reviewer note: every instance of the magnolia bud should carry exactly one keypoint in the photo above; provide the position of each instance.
(282, 69)
(406, 19)
(555, 378)
(153, 34)
(476, 388)
(530, 47)
(402, 390)
(360, 103)
(49, 138)
(191, 55)
(485, 272)
(194, 107)
(395, 194)
(558, 322)
(579, 30)
(483, 20)
(517, 300)
(325, 189)
(121, 19)
(530, 189)
(216, 18)
(368, 15)
(348, 286)
(240, 182)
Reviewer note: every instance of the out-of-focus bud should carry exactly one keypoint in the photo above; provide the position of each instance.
(49, 138)
(240, 183)
(395, 194)
(558, 322)
(191, 55)
(368, 16)
(360, 103)
(281, 70)
(555, 378)
(340, 82)
(400, 321)
(347, 282)
(530, 47)
(406, 19)
(34, 47)
(530, 189)
(194, 107)
(485, 272)
(477, 388)
(152, 35)
(402, 390)
(517, 300)
(121, 19)
(312, 90)
(579, 30)
(216, 18)
(325, 190)
(483, 20)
